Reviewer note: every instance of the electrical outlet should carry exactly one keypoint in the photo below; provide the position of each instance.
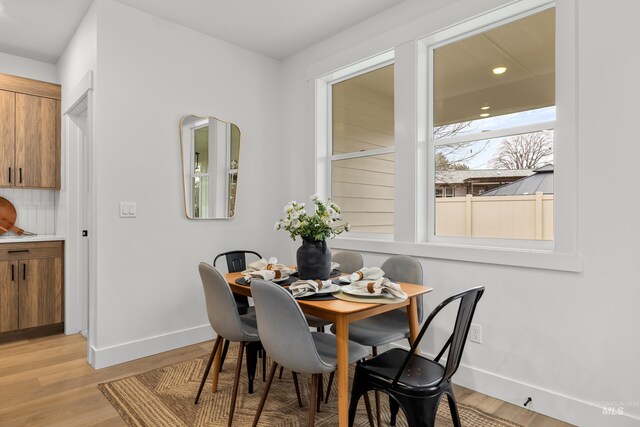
(475, 333)
(128, 209)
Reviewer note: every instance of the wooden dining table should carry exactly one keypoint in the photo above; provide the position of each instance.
(341, 313)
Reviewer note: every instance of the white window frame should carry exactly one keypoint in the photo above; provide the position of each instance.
(431, 43)
(411, 148)
(325, 143)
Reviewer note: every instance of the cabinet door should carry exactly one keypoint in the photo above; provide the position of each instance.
(40, 292)
(8, 296)
(7, 140)
(36, 141)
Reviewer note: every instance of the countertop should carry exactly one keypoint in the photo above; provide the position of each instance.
(27, 239)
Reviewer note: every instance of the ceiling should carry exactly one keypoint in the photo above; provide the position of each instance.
(464, 81)
(41, 29)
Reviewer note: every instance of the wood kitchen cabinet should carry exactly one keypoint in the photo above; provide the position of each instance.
(31, 289)
(29, 133)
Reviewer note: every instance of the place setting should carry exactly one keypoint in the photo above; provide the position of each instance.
(269, 270)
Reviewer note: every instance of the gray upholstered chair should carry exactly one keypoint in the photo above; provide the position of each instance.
(227, 322)
(286, 338)
(393, 325)
(349, 261)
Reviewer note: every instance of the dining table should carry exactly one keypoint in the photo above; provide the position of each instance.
(341, 313)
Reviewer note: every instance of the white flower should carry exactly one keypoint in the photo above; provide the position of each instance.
(347, 227)
(277, 226)
(300, 206)
(295, 214)
(286, 221)
(315, 197)
(295, 224)
(288, 208)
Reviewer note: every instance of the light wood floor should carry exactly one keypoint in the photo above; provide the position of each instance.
(47, 382)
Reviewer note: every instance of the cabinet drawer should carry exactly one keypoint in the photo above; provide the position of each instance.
(32, 250)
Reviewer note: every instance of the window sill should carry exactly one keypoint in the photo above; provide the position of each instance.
(527, 258)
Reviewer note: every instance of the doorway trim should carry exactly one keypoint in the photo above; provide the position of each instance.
(80, 297)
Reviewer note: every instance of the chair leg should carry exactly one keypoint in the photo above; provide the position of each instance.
(263, 399)
(208, 368)
(374, 351)
(367, 404)
(312, 400)
(393, 409)
(252, 361)
(320, 392)
(331, 375)
(264, 365)
(453, 408)
(236, 381)
(225, 349)
(357, 390)
(297, 386)
(419, 411)
(280, 374)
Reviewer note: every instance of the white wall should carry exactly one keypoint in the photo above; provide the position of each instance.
(78, 60)
(26, 67)
(150, 73)
(569, 340)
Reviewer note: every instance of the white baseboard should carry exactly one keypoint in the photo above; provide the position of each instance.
(108, 356)
(553, 404)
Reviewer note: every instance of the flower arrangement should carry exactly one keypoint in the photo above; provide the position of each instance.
(319, 226)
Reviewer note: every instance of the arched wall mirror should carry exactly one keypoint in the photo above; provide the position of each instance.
(210, 158)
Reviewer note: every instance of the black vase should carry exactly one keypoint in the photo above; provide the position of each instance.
(314, 260)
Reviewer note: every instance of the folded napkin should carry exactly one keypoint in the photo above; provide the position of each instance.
(379, 287)
(335, 265)
(265, 275)
(366, 273)
(263, 264)
(308, 287)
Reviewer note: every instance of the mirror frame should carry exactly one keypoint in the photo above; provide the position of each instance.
(183, 166)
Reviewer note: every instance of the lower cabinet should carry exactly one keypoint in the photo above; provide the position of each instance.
(31, 289)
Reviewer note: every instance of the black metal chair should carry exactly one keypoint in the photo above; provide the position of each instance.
(236, 262)
(414, 383)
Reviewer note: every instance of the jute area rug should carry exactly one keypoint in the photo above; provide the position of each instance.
(164, 397)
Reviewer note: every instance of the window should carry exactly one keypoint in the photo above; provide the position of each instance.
(362, 166)
(492, 128)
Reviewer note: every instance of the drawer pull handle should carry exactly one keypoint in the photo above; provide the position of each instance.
(24, 271)
(19, 251)
(9, 174)
(20, 175)
(13, 275)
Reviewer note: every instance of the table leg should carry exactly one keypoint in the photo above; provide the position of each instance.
(216, 369)
(342, 338)
(412, 313)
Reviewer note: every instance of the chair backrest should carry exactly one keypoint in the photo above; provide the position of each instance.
(236, 260)
(403, 268)
(221, 307)
(468, 302)
(349, 261)
(283, 330)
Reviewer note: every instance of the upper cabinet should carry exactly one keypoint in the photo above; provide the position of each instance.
(29, 133)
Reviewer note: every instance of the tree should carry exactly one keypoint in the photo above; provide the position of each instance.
(527, 151)
(453, 156)
(444, 164)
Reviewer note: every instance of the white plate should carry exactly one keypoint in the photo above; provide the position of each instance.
(360, 293)
(329, 290)
(282, 279)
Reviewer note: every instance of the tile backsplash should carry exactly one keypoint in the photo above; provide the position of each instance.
(36, 209)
